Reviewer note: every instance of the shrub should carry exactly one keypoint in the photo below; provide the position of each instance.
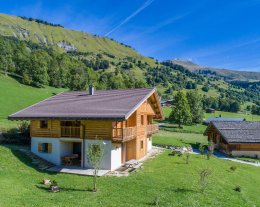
(156, 200)
(201, 148)
(24, 128)
(233, 168)
(187, 157)
(204, 173)
(237, 188)
(210, 149)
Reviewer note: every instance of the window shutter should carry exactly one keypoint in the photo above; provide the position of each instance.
(39, 147)
(49, 147)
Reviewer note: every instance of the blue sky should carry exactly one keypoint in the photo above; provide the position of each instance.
(218, 33)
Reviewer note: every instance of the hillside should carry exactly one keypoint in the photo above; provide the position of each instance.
(227, 74)
(16, 96)
(65, 39)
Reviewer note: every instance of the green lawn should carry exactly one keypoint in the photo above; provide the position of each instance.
(178, 138)
(248, 117)
(16, 96)
(168, 177)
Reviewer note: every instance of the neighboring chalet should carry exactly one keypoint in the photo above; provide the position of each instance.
(63, 126)
(235, 138)
(168, 102)
(210, 110)
(214, 119)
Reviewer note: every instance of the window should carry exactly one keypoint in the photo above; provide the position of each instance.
(44, 124)
(70, 123)
(142, 144)
(142, 119)
(45, 147)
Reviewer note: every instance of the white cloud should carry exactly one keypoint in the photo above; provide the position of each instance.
(127, 19)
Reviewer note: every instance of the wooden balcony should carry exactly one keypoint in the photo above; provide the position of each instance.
(152, 128)
(123, 134)
(70, 131)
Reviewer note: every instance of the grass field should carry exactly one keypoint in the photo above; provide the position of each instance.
(15, 96)
(168, 177)
(178, 138)
(248, 117)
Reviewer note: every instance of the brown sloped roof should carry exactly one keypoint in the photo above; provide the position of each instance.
(238, 132)
(104, 104)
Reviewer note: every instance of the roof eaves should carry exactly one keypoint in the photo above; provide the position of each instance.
(139, 104)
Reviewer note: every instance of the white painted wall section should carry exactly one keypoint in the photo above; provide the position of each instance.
(149, 144)
(112, 154)
(116, 156)
(54, 156)
(106, 162)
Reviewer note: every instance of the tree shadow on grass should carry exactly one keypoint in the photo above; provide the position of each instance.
(183, 190)
(25, 159)
(63, 189)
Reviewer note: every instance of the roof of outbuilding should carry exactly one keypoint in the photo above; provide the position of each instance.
(238, 132)
(104, 104)
(210, 119)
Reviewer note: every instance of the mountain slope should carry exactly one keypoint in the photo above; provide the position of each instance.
(59, 37)
(227, 74)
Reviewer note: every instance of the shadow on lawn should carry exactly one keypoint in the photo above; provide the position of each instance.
(24, 158)
(46, 188)
(183, 190)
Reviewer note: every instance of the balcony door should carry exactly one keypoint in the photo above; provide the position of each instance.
(70, 129)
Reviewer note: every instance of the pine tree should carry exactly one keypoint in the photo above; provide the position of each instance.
(181, 112)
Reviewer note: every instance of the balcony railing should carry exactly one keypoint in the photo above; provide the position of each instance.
(152, 128)
(123, 134)
(70, 131)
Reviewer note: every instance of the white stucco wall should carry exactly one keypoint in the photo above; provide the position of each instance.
(116, 161)
(246, 153)
(54, 156)
(149, 144)
(112, 155)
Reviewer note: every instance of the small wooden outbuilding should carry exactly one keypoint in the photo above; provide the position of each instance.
(235, 138)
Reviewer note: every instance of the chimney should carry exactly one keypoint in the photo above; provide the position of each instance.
(91, 90)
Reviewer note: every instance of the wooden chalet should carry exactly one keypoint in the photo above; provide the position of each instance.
(63, 126)
(235, 138)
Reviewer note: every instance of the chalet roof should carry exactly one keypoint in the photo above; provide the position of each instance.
(104, 104)
(210, 119)
(237, 132)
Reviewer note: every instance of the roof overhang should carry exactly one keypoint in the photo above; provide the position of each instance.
(66, 118)
(157, 116)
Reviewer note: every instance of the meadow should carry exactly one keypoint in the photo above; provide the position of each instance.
(16, 96)
(167, 178)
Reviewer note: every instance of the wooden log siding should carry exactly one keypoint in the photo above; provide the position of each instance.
(98, 128)
(244, 147)
(53, 129)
